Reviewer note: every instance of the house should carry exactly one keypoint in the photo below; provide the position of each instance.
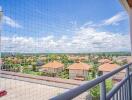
(109, 67)
(102, 61)
(78, 71)
(52, 67)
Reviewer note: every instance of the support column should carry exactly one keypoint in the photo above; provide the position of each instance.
(130, 18)
(1, 13)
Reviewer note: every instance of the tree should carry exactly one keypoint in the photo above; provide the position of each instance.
(63, 74)
(25, 69)
(19, 56)
(95, 91)
(16, 67)
(64, 59)
(34, 66)
(51, 57)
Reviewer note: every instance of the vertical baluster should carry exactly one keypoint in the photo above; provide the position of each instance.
(123, 92)
(126, 94)
(120, 94)
(129, 85)
(116, 96)
(103, 91)
(124, 98)
(127, 90)
(113, 98)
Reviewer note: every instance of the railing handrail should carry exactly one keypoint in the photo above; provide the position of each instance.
(117, 87)
(68, 95)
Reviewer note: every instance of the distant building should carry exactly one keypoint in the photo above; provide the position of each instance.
(73, 58)
(78, 71)
(102, 61)
(120, 59)
(53, 67)
(43, 58)
(109, 67)
(83, 58)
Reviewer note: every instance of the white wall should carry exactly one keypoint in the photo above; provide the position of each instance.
(74, 73)
(53, 70)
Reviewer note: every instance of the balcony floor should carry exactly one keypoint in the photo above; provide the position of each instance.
(21, 90)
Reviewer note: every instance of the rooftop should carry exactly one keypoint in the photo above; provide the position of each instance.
(108, 67)
(79, 66)
(54, 64)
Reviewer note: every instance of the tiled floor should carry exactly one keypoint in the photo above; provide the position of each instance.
(20, 90)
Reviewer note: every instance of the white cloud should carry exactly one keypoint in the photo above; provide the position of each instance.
(85, 40)
(114, 20)
(8, 21)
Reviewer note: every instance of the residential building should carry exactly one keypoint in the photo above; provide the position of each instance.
(109, 67)
(53, 67)
(78, 71)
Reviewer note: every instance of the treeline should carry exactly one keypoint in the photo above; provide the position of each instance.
(3, 54)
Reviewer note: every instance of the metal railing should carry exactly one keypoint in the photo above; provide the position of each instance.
(122, 91)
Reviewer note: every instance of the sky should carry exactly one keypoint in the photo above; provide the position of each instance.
(64, 26)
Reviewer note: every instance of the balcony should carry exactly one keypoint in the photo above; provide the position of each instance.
(120, 91)
(32, 87)
(27, 87)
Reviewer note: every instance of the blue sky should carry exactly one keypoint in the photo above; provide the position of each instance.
(64, 26)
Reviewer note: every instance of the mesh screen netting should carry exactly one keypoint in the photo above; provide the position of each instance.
(50, 46)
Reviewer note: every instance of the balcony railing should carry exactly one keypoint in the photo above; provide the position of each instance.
(121, 91)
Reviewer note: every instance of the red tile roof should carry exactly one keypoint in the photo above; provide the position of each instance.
(53, 64)
(79, 66)
(108, 67)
